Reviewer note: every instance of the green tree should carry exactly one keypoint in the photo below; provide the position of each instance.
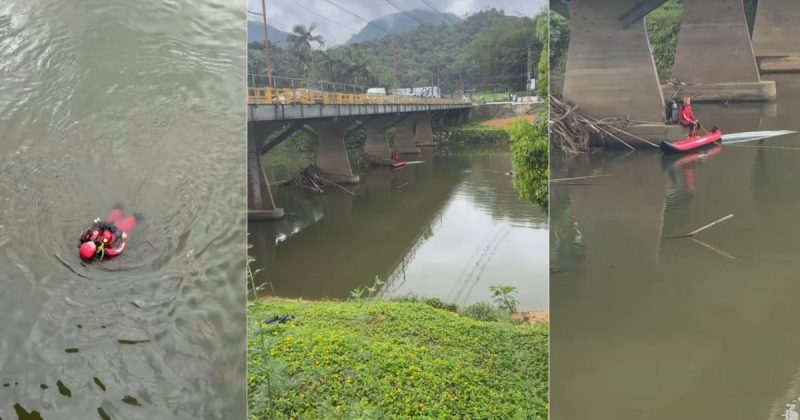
(300, 41)
(503, 50)
(529, 152)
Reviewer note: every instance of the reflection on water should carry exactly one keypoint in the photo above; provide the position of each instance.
(139, 104)
(448, 228)
(646, 325)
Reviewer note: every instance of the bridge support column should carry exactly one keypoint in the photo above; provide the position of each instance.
(715, 56)
(423, 132)
(404, 141)
(610, 69)
(260, 205)
(776, 35)
(332, 152)
(376, 145)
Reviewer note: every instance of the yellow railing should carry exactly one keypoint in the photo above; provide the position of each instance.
(270, 96)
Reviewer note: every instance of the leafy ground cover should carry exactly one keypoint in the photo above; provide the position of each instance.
(393, 359)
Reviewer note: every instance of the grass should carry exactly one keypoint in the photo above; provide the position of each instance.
(392, 359)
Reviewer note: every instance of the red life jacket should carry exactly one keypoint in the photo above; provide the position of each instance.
(687, 116)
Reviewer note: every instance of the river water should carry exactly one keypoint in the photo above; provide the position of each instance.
(645, 325)
(448, 228)
(106, 102)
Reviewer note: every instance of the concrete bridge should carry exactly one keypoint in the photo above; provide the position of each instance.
(611, 72)
(274, 114)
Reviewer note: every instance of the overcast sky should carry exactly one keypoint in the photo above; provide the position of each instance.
(284, 14)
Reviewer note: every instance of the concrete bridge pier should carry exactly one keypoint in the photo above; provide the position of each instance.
(404, 140)
(776, 36)
(715, 55)
(423, 131)
(610, 69)
(376, 144)
(260, 205)
(331, 151)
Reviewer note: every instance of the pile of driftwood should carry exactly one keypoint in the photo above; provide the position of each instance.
(573, 131)
(312, 178)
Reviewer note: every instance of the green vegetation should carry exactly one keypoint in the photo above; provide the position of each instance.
(471, 133)
(485, 50)
(529, 150)
(384, 359)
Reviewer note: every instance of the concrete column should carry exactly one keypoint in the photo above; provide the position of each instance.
(404, 141)
(332, 152)
(610, 69)
(776, 35)
(715, 56)
(376, 145)
(423, 133)
(260, 205)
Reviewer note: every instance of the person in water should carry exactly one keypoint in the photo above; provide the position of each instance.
(688, 119)
(106, 239)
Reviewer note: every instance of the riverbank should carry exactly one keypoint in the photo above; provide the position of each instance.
(374, 359)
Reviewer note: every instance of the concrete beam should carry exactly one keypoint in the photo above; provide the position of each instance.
(376, 145)
(776, 35)
(260, 205)
(610, 69)
(560, 7)
(266, 147)
(331, 151)
(715, 56)
(404, 141)
(638, 11)
(423, 131)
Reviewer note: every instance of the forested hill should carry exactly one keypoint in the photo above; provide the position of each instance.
(487, 50)
(255, 33)
(399, 23)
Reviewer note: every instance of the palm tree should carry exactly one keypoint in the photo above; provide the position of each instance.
(300, 40)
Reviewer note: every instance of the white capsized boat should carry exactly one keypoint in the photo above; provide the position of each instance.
(731, 138)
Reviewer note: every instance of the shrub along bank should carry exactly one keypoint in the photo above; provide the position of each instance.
(393, 359)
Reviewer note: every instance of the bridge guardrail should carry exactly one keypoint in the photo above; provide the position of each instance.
(288, 96)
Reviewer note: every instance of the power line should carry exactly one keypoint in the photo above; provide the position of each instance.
(356, 16)
(323, 17)
(447, 19)
(396, 6)
(280, 25)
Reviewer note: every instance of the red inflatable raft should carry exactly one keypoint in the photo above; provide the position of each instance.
(692, 142)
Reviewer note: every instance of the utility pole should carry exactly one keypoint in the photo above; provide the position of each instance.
(528, 80)
(388, 42)
(266, 42)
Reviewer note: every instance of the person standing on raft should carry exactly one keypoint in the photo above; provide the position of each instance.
(106, 239)
(687, 118)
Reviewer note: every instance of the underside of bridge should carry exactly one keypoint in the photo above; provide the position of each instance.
(332, 151)
(404, 140)
(776, 35)
(260, 205)
(610, 69)
(715, 56)
(376, 144)
(411, 130)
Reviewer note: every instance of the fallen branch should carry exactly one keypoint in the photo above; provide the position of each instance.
(572, 130)
(312, 178)
(579, 177)
(698, 230)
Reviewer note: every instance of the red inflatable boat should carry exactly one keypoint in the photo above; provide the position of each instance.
(106, 239)
(692, 142)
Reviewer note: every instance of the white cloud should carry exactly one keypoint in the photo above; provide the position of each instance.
(286, 13)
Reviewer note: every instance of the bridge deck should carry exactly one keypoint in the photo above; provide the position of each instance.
(270, 104)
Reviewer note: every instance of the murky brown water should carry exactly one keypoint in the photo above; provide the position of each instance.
(137, 103)
(449, 228)
(648, 327)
